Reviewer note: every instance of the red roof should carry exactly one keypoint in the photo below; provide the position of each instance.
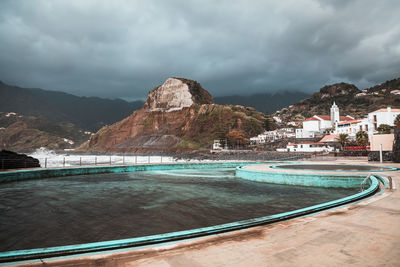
(350, 121)
(328, 118)
(324, 117)
(312, 119)
(385, 110)
(329, 138)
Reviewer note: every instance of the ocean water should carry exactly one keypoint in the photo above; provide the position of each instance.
(90, 208)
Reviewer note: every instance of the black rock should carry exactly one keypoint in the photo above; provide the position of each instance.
(12, 160)
(396, 145)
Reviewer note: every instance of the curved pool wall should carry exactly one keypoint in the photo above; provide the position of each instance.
(31, 254)
(373, 168)
(303, 179)
(11, 176)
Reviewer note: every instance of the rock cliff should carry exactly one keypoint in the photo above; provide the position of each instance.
(178, 115)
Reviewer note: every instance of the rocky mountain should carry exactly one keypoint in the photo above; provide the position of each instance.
(263, 102)
(178, 115)
(89, 113)
(26, 133)
(351, 101)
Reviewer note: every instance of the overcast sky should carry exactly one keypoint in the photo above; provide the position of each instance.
(117, 48)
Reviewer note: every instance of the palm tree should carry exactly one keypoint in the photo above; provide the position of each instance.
(343, 139)
(397, 120)
(384, 129)
(362, 138)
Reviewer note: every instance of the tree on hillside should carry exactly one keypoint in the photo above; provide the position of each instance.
(343, 140)
(269, 123)
(362, 138)
(384, 129)
(236, 138)
(397, 120)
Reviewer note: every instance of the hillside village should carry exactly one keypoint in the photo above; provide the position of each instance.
(327, 129)
(339, 129)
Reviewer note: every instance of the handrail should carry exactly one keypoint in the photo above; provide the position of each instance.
(389, 178)
(364, 181)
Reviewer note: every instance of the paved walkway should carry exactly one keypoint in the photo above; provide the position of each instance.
(362, 234)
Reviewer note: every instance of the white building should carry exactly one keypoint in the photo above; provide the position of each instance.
(271, 136)
(369, 124)
(301, 133)
(320, 123)
(349, 127)
(306, 147)
(382, 116)
(395, 92)
(218, 145)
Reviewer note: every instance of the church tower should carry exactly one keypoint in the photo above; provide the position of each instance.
(335, 117)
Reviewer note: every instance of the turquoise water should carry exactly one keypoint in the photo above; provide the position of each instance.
(90, 208)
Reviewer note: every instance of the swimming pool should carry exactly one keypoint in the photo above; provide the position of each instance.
(144, 204)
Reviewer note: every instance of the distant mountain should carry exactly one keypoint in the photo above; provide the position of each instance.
(351, 101)
(27, 133)
(89, 113)
(263, 102)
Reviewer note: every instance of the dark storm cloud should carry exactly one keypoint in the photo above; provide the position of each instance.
(125, 48)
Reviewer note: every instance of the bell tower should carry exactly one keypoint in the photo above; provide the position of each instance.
(335, 117)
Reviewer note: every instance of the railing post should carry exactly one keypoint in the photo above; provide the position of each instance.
(64, 162)
(80, 161)
(110, 160)
(45, 162)
(95, 160)
(135, 159)
(123, 160)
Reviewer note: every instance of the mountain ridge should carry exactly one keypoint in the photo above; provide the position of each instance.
(89, 113)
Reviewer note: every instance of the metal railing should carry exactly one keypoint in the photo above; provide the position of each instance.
(58, 161)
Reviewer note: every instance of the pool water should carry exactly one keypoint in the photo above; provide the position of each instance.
(90, 208)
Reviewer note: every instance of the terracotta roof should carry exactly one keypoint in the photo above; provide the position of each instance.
(346, 118)
(329, 138)
(324, 117)
(385, 110)
(328, 118)
(312, 119)
(351, 121)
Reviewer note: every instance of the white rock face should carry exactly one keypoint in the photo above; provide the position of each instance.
(172, 95)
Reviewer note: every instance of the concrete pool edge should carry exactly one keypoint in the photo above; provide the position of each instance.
(279, 167)
(21, 175)
(175, 236)
(302, 179)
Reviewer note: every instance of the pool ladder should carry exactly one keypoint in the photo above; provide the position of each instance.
(389, 178)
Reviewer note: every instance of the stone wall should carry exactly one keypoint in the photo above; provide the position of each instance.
(374, 156)
(396, 145)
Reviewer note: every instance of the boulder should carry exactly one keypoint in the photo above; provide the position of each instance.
(12, 160)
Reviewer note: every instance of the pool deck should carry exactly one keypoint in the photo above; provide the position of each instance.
(366, 233)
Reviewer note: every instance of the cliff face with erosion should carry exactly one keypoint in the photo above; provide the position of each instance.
(178, 115)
